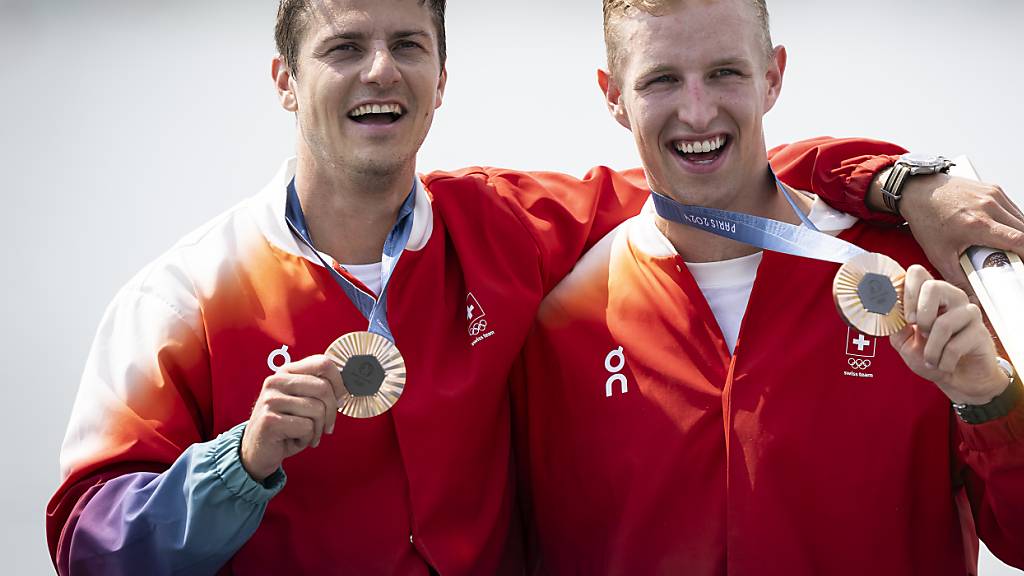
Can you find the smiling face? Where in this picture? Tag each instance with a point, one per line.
(367, 83)
(693, 86)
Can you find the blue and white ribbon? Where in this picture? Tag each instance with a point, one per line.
(806, 241)
(373, 309)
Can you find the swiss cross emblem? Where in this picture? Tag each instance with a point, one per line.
(475, 315)
(859, 344)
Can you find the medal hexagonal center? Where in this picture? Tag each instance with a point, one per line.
(877, 293)
(363, 375)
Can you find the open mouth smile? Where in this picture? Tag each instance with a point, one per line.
(377, 114)
(701, 152)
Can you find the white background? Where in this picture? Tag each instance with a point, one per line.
(126, 124)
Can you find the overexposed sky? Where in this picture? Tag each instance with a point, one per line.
(127, 124)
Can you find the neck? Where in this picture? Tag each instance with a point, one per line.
(349, 216)
(760, 198)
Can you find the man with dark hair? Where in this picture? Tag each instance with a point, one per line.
(293, 17)
(690, 401)
(209, 369)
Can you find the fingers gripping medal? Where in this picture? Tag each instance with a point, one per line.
(868, 292)
(372, 370)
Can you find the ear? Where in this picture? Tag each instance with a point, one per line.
(441, 82)
(285, 84)
(613, 97)
(776, 70)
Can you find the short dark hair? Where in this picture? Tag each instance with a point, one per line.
(293, 17)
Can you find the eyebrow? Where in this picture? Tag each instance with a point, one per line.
(657, 68)
(731, 61)
(363, 36)
(669, 69)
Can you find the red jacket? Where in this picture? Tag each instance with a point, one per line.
(182, 354)
(648, 448)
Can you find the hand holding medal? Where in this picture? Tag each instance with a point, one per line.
(297, 405)
(946, 340)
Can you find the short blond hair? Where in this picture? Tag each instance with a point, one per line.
(615, 10)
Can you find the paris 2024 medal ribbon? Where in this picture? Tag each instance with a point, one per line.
(867, 290)
(372, 369)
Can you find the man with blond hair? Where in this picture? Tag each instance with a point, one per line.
(690, 401)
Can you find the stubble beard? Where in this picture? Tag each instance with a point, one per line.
(374, 170)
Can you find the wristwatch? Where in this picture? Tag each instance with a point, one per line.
(910, 165)
(999, 406)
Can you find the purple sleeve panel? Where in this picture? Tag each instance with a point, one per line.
(189, 519)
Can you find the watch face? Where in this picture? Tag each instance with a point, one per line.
(921, 160)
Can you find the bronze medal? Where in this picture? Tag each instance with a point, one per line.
(868, 292)
(372, 370)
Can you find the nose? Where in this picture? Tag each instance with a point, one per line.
(697, 106)
(382, 71)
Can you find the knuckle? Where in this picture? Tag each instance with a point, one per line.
(278, 381)
(271, 381)
(329, 401)
(316, 417)
(918, 272)
(272, 418)
(974, 223)
(941, 328)
(927, 292)
(273, 402)
(989, 203)
(283, 383)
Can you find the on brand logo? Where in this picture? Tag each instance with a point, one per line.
(614, 362)
(282, 354)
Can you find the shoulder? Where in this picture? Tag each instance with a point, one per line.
(192, 268)
(222, 238)
(588, 285)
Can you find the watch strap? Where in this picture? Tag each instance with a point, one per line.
(892, 188)
(998, 407)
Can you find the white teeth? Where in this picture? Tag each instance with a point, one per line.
(376, 109)
(701, 147)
